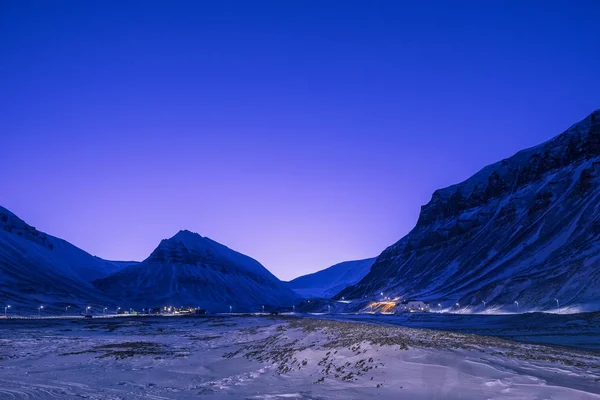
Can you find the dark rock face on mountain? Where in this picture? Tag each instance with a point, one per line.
(525, 229)
(330, 281)
(191, 270)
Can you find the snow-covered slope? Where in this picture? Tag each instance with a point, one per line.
(525, 229)
(191, 270)
(36, 268)
(330, 281)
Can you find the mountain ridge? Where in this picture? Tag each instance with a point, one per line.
(189, 269)
(511, 224)
(330, 281)
(38, 268)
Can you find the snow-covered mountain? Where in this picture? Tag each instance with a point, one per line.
(191, 270)
(330, 281)
(36, 268)
(525, 229)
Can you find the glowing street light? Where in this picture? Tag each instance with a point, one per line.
(230, 309)
(88, 308)
(293, 309)
(40, 308)
(517, 303)
(329, 309)
(483, 301)
(557, 304)
(118, 309)
(6, 308)
(263, 308)
(67, 309)
(104, 310)
(457, 305)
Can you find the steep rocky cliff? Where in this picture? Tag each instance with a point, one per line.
(525, 229)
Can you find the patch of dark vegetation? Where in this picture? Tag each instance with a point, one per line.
(111, 326)
(131, 349)
(205, 338)
(124, 350)
(221, 324)
(233, 353)
(249, 331)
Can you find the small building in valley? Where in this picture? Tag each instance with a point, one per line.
(412, 306)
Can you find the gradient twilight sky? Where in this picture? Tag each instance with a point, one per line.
(301, 133)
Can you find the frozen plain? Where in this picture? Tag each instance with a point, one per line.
(279, 357)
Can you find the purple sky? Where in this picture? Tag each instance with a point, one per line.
(300, 133)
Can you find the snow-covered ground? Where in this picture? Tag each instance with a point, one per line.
(278, 358)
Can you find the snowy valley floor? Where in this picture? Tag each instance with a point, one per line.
(278, 358)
